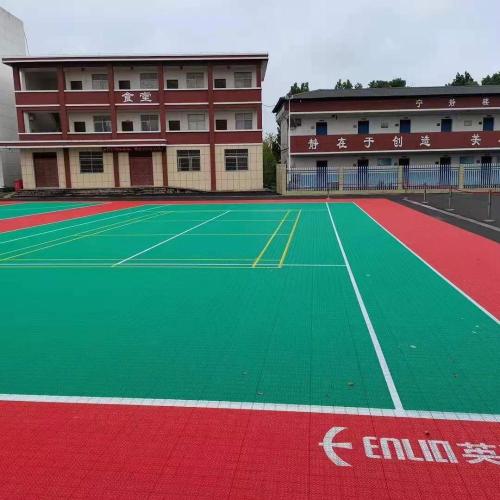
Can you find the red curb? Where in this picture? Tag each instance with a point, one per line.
(468, 260)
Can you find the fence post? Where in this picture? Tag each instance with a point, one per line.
(461, 176)
(400, 177)
(341, 179)
(489, 219)
(450, 199)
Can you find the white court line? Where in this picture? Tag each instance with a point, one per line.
(75, 225)
(369, 325)
(468, 297)
(54, 211)
(236, 405)
(169, 239)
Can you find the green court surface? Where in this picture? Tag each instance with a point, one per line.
(11, 210)
(243, 303)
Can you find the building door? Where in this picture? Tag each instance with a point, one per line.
(321, 128)
(486, 162)
(321, 174)
(45, 166)
(362, 173)
(446, 125)
(444, 171)
(141, 169)
(404, 126)
(488, 123)
(363, 127)
(405, 163)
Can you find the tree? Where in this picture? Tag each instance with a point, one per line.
(462, 79)
(298, 89)
(270, 157)
(379, 84)
(493, 79)
(347, 85)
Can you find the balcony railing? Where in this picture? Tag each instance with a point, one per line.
(390, 179)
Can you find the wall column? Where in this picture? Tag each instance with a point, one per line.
(116, 168)
(111, 98)
(63, 112)
(211, 127)
(67, 168)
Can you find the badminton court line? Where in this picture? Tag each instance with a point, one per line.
(396, 400)
(169, 239)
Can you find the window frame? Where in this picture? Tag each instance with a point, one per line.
(220, 80)
(128, 85)
(151, 117)
(154, 81)
(105, 121)
(79, 122)
(170, 81)
(196, 79)
(204, 129)
(239, 80)
(170, 122)
(96, 162)
(127, 121)
(191, 155)
(244, 120)
(217, 122)
(76, 82)
(105, 81)
(240, 158)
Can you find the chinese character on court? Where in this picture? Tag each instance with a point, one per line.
(480, 452)
(128, 97)
(398, 142)
(368, 142)
(486, 101)
(451, 103)
(342, 143)
(313, 143)
(475, 140)
(425, 140)
(419, 103)
(145, 96)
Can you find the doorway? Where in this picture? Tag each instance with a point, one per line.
(362, 173)
(45, 167)
(141, 168)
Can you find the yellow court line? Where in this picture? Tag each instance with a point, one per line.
(290, 238)
(269, 241)
(80, 237)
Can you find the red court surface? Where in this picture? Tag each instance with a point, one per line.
(79, 450)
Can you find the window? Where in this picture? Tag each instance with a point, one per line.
(466, 160)
(220, 124)
(384, 125)
(405, 126)
(446, 125)
(236, 159)
(148, 80)
(467, 123)
(195, 80)
(488, 123)
(242, 79)
(127, 126)
(79, 126)
(149, 123)
(220, 83)
(196, 121)
(102, 123)
(321, 128)
(100, 81)
(174, 124)
(363, 127)
(76, 85)
(188, 160)
(244, 121)
(384, 162)
(172, 84)
(124, 84)
(91, 162)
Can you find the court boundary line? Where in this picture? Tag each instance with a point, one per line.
(90, 204)
(168, 239)
(391, 386)
(290, 239)
(432, 268)
(270, 240)
(255, 406)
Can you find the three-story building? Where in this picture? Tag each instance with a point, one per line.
(189, 122)
(441, 131)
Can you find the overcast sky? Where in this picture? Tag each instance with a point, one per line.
(424, 41)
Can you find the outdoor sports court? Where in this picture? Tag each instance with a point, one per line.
(315, 349)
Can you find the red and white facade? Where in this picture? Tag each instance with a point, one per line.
(186, 122)
(388, 127)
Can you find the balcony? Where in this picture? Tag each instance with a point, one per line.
(422, 141)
